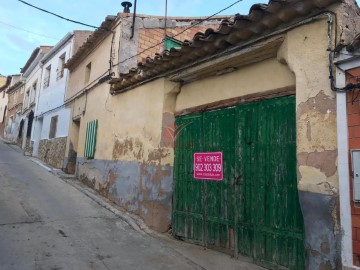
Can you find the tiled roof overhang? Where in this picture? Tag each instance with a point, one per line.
(8, 80)
(99, 34)
(262, 19)
(15, 86)
(30, 60)
(354, 45)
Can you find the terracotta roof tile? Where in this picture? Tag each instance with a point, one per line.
(98, 35)
(8, 81)
(262, 19)
(354, 45)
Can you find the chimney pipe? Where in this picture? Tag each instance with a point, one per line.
(127, 5)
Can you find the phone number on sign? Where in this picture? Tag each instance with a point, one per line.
(208, 166)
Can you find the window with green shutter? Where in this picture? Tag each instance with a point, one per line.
(90, 140)
(171, 42)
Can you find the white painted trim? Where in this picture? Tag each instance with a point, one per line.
(343, 169)
(346, 64)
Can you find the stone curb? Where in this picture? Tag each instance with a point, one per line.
(89, 193)
(7, 141)
(133, 221)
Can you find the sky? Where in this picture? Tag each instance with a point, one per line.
(23, 28)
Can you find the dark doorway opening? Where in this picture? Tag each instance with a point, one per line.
(30, 122)
(21, 128)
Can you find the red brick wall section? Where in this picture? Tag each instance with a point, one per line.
(353, 112)
(151, 37)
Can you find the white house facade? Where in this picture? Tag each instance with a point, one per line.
(51, 123)
(32, 73)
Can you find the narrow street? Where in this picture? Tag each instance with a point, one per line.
(48, 224)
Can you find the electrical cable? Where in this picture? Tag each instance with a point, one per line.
(87, 88)
(27, 31)
(59, 16)
(84, 89)
(181, 32)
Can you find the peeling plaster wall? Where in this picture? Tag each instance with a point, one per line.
(316, 133)
(255, 78)
(316, 142)
(99, 59)
(133, 164)
(304, 57)
(144, 189)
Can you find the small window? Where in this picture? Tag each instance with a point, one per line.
(47, 77)
(87, 72)
(27, 98)
(33, 92)
(90, 139)
(53, 125)
(11, 121)
(4, 94)
(61, 66)
(15, 97)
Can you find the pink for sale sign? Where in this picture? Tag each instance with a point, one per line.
(208, 166)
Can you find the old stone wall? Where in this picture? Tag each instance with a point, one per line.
(28, 148)
(53, 151)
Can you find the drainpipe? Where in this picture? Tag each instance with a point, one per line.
(133, 23)
(343, 170)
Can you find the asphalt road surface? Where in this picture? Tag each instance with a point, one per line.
(48, 224)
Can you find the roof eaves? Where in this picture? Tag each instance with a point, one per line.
(15, 86)
(98, 35)
(262, 19)
(57, 47)
(354, 45)
(8, 81)
(30, 60)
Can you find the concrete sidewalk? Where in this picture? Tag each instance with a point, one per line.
(205, 258)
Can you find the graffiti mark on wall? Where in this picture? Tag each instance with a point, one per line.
(171, 133)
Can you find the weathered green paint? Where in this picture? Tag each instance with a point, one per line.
(90, 139)
(188, 195)
(219, 134)
(171, 43)
(255, 210)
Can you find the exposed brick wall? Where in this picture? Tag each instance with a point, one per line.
(353, 112)
(151, 37)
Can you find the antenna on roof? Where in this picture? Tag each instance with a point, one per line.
(127, 5)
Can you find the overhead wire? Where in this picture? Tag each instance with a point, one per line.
(59, 16)
(145, 50)
(181, 32)
(90, 85)
(27, 31)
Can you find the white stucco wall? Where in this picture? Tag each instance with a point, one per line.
(62, 128)
(34, 76)
(52, 96)
(3, 104)
(50, 100)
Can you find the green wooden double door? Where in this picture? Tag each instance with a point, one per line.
(255, 210)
